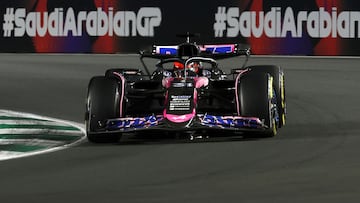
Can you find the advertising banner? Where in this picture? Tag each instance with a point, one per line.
(308, 27)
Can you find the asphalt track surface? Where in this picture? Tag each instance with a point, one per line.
(315, 158)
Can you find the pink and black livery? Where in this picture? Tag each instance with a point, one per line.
(248, 100)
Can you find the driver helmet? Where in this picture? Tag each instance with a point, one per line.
(178, 67)
(194, 66)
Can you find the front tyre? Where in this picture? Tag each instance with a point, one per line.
(103, 102)
(257, 99)
(279, 85)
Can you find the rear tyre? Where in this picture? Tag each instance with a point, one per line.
(256, 95)
(103, 102)
(279, 85)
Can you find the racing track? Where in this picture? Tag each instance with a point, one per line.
(315, 158)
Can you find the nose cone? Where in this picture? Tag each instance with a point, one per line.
(179, 118)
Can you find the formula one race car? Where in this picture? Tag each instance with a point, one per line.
(187, 93)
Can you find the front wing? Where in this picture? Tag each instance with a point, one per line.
(199, 122)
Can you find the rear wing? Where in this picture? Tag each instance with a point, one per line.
(214, 51)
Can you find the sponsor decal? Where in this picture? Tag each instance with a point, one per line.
(141, 122)
(180, 103)
(65, 22)
(218, 49)
(166, 50)
(230, 121)
(284, 22)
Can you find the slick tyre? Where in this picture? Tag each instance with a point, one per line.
(103, 102)
(257, 100)
(279, 85)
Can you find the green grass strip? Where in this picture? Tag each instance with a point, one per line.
(40, 136)
(20, 118)
(20, 147)
(36, 126)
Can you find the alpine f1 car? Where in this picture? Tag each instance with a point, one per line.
(188, 92)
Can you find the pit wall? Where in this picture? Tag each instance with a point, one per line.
(308, 27)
